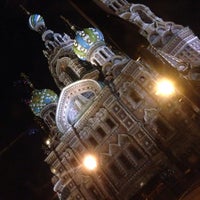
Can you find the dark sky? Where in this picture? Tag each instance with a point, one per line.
(23, 173)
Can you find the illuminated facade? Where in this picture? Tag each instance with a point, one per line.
(168, 37)
(145, 142)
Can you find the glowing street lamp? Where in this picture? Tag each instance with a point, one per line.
(165, 88)
(53, 170)
(90, 162)
(48, 142)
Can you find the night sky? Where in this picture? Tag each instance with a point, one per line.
(23, 173)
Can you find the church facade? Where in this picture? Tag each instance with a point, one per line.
(145, 141)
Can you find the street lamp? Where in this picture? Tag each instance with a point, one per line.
(48, 142)
(90, 162)
(165, 87)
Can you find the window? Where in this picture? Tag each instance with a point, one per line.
(186, 108)
(134, 95)
(95, 62)
(65, 193)
(135, 153)
(95, 194)
(121, 2)
(101, 132)
(144, 17)
(111, 7)
(72, 74)
(107, 51)
(73, 162)
(103, 54)
(92, 141)
(125, 161)
(71, 185)
(52, 115)
(163, 129)
(142, 79)
(110, 123)
(115, 170)
(116, 5)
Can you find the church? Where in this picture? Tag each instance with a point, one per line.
(121, 128)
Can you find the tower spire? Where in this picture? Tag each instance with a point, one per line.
(73, 27)
(27, 80)
(24, 10)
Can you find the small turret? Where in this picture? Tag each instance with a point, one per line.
(52, 40)
(64, 65)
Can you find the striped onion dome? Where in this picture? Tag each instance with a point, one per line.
(36, 21)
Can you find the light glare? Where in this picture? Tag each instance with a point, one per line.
(165, 88)
(90, 162)
(48, 142)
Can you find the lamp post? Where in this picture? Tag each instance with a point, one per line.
(90, 162)
(165, 88)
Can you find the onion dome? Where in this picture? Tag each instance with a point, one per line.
(86, 39)
(36, 23)
(40, 99)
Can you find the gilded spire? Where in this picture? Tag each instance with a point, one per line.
(73, 28)
(24, 10)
